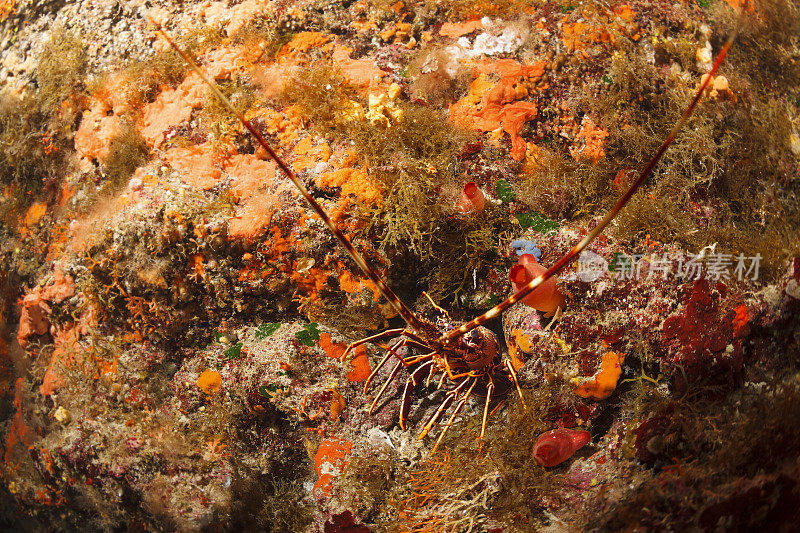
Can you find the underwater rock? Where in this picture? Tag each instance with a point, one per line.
(175, 314)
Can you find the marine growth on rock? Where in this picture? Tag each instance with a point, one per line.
(174, 313)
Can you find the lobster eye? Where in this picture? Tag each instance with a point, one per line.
(472, 338)
(482, 339)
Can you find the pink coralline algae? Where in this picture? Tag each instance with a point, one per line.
(556, 446)
(703, 340)
(344, 523)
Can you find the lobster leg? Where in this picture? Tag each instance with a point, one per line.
(498, 407)
(408, 361)
(450, 374)
(411, 382)
(389, 353)
(430, 376)
(489, 390)
(417, 345)
(513, 373)
(395, 346)
(442, 408)
(458, 408)
(419, 358)
(375, 371)
(395, 370)
(382, 335)
(443, 312)
(444, 405)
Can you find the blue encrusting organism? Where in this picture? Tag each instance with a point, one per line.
(524, 246)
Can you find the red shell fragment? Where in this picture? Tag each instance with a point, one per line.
(556, 446)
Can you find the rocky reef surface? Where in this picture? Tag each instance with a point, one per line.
(174, 315)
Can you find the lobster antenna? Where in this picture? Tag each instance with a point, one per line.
(572, 254)
(390, 296)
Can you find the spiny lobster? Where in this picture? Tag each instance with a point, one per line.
(467, 356)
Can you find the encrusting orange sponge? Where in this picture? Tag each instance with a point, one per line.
(602, 384)
(330, 460)
(547, 297)
(210, 382)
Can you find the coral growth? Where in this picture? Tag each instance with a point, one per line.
(330, 460)
(491, 107)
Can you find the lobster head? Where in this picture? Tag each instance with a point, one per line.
(480, 348)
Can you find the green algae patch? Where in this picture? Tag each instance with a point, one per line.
(309, 335)
(266, 330)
